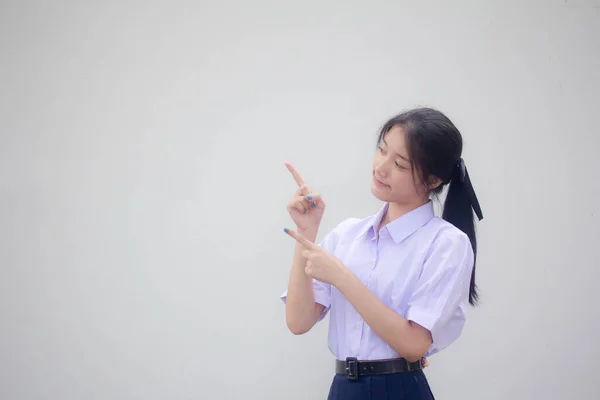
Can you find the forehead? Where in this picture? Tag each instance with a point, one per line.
(395, 139)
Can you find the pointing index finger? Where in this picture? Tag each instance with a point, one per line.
(300, 239)
(295, 174)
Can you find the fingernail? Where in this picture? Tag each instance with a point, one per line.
(286, 230)
(313, 205)
(309, 197)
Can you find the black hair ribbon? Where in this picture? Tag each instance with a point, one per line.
(464, 178)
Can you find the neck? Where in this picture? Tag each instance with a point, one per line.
(396, 210)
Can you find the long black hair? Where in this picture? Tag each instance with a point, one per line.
(435, 149)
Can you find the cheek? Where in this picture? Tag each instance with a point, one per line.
(398, 185)
(402, 182)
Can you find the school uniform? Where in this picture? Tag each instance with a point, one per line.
(420, 266)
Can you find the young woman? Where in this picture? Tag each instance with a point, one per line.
(398, 283)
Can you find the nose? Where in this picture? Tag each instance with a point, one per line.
(381, 170)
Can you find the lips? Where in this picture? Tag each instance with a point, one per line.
(379, 183)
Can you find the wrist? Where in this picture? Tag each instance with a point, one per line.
(309, 233)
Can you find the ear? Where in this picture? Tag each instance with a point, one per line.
(434, 182)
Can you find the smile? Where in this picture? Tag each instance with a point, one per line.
(380, 184)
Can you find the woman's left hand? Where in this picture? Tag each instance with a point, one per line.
(320, 264)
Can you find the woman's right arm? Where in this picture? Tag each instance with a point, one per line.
(306, 210)
(301, 310)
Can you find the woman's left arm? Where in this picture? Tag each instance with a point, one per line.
(434, 315)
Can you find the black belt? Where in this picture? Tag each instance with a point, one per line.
(354, 368)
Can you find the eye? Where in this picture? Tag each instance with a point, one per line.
(381, 150)
(399, 166)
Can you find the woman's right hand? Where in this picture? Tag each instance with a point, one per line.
(305, 207)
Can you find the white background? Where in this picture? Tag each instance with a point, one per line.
(143, 189)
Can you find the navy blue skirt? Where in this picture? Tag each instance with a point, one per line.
(406, 385)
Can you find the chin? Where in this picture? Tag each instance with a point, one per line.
(377, 192)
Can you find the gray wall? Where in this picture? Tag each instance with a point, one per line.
(143, 189)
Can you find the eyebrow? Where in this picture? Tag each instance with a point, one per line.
(399, 155)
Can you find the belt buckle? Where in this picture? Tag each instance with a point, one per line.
(410, 368)
(352, 368)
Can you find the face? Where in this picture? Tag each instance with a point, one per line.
(393, 178)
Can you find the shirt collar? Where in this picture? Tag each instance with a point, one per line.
(404, 226)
